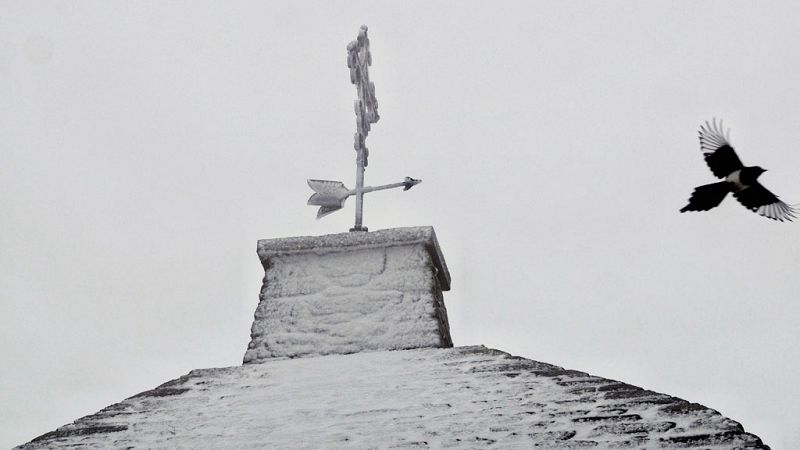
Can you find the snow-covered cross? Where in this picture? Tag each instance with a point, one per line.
(331, 195)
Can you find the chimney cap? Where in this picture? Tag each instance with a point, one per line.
(267, 248)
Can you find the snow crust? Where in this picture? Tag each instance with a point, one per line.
(267, 248)
(348, 293)
(463, 397)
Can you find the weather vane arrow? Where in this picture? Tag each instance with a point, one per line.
(331, 195)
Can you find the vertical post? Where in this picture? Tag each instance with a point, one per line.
(358, 60)
(359, 192)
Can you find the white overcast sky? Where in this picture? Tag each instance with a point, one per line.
(146, 146)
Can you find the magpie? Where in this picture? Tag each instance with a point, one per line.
(740, 180)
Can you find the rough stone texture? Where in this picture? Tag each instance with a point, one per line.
(268, 248)
(462, 397)
(350, 292)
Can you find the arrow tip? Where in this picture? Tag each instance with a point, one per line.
(411, 182)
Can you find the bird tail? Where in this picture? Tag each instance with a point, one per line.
(707, 196)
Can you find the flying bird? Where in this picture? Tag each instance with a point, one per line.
(740, 180)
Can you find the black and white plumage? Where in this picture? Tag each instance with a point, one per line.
(742, 181)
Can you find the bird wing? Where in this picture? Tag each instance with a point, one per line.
(706, 197)
(758, 199)
(717, 150)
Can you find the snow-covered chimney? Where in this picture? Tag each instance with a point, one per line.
(350, 292)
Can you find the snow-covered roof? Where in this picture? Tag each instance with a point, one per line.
(462, 397)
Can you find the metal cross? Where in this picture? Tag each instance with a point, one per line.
(331, 195)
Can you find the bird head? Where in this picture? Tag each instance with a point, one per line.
(759, 170)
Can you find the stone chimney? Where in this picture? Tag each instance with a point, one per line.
(350, 292)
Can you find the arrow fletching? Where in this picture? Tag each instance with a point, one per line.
(325, 210)
(328, 195)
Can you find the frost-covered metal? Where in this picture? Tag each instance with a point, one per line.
(331, 195)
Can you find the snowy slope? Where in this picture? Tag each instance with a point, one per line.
(462, 397)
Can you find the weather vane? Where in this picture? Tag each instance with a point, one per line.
(331, 195)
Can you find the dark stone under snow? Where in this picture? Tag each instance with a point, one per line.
(463, 397)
